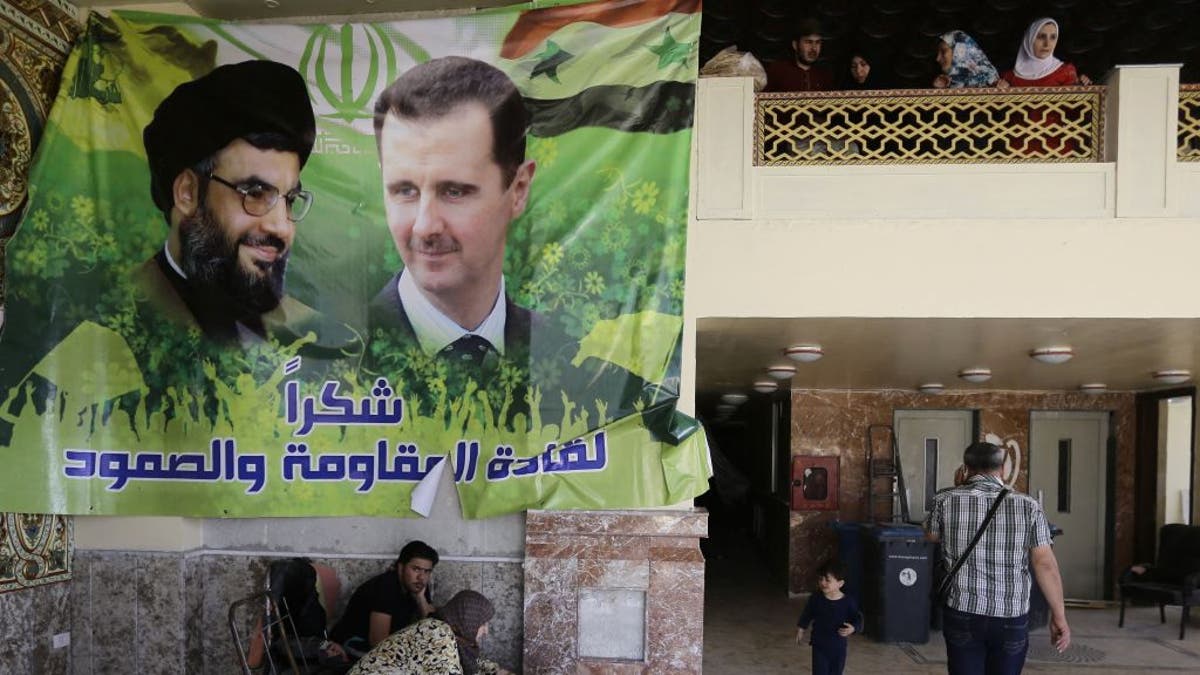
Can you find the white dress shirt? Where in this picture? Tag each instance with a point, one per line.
(435, 331)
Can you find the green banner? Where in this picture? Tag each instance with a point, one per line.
(205, 320)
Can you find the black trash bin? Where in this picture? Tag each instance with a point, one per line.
(897, 571)
(1039, 609)
(849, 537)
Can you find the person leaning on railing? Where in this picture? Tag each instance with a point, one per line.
(1036, 66)
(963, 63)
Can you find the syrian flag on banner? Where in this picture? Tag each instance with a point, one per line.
(628, 66)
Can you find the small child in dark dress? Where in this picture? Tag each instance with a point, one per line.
(834, 616)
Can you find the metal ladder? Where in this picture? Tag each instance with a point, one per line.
(885, 466)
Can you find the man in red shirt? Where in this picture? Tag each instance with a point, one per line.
(801, 72)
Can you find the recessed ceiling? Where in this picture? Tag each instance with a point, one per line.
(882, 353)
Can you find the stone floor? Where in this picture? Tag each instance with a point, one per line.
(749, 627)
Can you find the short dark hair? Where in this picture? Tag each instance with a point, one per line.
(808, 26)
(832, 568)
(416, 549)
(983, 456)
(434, 88)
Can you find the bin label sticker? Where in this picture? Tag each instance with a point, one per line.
(908, 576)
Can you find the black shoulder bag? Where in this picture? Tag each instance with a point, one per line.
(945, 585)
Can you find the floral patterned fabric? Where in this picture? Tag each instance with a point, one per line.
(425, 648)
(969, 66)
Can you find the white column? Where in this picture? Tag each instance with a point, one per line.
(724, 132)
(1143, 110)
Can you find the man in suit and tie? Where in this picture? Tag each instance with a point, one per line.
(451, 136)
(451, 139)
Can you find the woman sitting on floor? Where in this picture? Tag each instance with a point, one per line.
(963, 63)
(446, 643)
(1036, 64)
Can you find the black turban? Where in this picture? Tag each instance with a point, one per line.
(203, 116)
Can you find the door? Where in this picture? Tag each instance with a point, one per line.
(931, 448)
(1068, 463)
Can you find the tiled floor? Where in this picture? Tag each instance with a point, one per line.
(749, 628)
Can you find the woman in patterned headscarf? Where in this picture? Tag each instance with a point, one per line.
(963, 63)
(447, 643)
(1036, 64)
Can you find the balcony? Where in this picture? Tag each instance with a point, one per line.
(1127, 149)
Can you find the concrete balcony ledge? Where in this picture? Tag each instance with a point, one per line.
(1138, 174)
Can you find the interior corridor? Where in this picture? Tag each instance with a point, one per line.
(749, 627)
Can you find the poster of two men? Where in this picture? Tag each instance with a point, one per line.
(297, 269)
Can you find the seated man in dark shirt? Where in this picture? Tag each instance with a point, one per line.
(386, 603)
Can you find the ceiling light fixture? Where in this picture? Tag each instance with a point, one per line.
(805, 353)
(726, 408)
(1053, 355)
(1093, 388)
(734, 398)
(764, 386)
(931, 388)
(975, 375)
(781, 372)
(1173, 376)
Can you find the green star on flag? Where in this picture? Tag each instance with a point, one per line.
(549, 59)
(671, 51)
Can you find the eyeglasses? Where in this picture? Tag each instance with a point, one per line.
(259, 198)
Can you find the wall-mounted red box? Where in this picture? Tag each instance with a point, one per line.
(814, 483)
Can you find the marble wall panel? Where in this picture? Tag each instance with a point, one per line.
(551, 623)
(452, 576)
(114, 616)
(594, 573)
(655, 551)
(835, 423)
(81, 615)
(504, 585)
(675, 616)
(159, 614)
(646, 523)
(193, 615)
(225, 579)
(813, 542)
(29, 619)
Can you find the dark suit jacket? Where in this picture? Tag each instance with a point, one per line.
(532, 342)
(386, 311)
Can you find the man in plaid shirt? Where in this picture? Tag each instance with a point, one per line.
(986, 618)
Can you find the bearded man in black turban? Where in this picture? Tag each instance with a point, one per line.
(225, 153)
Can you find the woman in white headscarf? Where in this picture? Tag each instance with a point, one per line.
(1036, 64)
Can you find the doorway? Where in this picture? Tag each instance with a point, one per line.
(1068, 475)
(931, 444)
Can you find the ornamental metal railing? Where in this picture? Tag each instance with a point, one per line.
(1189, 123)
(922, 126)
